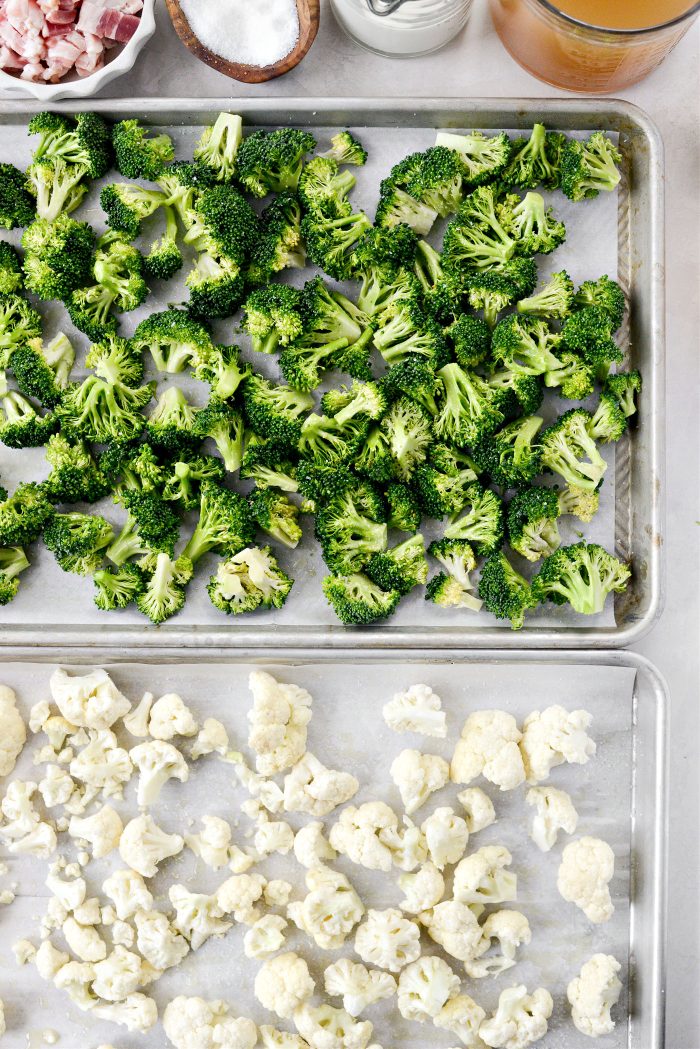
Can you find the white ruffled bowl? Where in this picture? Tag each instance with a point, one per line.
(119, 60)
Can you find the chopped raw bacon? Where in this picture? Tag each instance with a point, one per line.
(116, 26)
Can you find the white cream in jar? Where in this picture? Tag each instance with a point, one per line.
(415, 27)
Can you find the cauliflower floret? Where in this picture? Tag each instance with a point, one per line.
(357, 834)
(357, 985)
(453, 925)
(157, 762)
(49, 960)
(160, 944)
(408, 846)
(315, 790)
(553, 736)
(277, 893)
(510, 928)
(214, 842)
(520, 1019)
(70, 893)
(283, 983)
(311, 848)
(137, 1012)
(489, 747)
(422, 889)
(463, 1017)
(482, 877)
(119, 975)
(38, 714)
(128, 892)
(103, 830)
(102, 764)
(13, 733)
(24, 831)
(170, 717)
(84, 941)
(424, 988)
(136, 723)
(212, 738)
(75, 978)
(56, 787)
(446, 836)
(143, 845)
(418, 709)
(274, 1039)
(239, 894)
(478, 808)
(328, 1028)
(265, 937)
(555, 811)
(24, 951)
(197, 916)
(273, 836)
(278, 721)
(122, 934)
(88, 700)
(417, 776)
(88, 913)
(330, 910)
(388, 939)
(593, 993)
(268, 793)
(587, 865)
(193, 1023)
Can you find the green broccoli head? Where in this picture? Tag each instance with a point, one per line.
(275, 411)
(589, 167)
(482, 524)
(608, 422)
(222, 368)
(580, 502)
(532, 522)
(471, 340)
(605, 293)
(588, 332)
(216, 287)
(404, 507)
(483, 158)
(58, 256)
(272, 316)
(492, 290)
(164, 258)
(409, 434)
(276, 514)
(414, 377)
(132, 469)
(400, 567)
(323, 188)
(446, 591)
(126, 206)
(582, 575)
(268, 464)
(453, 588)
(102, 411)
(151, 527)
(59, 188)
(525, 345)
(568, 449)
(13, 561)
(247, 580)
(138, 152)
(183, 479)
(331, 242)
(84, 140)
(442, 493)
(43, 371)
(511, 456)
(78, 541)
(75, 477)
(319, 483)
(536, 161)
(117, 360)
(374, 458)
(218, 146)
(21, 425)
(515, 394)
(504, 592)
(553, 300)
(351, 527)
(357, 601)
(17, 206)
(174, 339)
(171, 425)
(624, 386)
(346, 149)
(225, 523)
(534, 226)
(24, 515)
(467, 412)
(117, 588)
(279, 245)
(383, 251)
(11, 279)
(163, 594)
(224, 425)
(271, 161)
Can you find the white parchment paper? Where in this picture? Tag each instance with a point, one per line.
(347, 732)
(590, 250)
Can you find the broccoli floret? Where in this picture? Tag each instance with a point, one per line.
(477, 236)
(78, 541)
(386, 290)
(436, 179)
(580, 502)
(222, 368)
(404, 507)
(525, 345)
(324, 188)
(467, 413)
(608, 422)
(568, 450)
(397, 207)
(351, 527)
(511, 457)
(427, 266)
(17, 206)
(84, 140)
(13, 561)
(218, 146)
(400, 567)
(58, 256)
(346, 149)
(445, 591)
(223, 225)
(582, 575)
(449, 460)
(532, 522)
(224, 425)
(515, 394)
(119, 284)
(23, 515)
(131, 470)
(574, 378)
(483, 158)
(471, 340)
(19, 323)
(273, 316)
(276, 514)
(325, 441)
(275, 411)
(453, 588)
(320, 483)
(103, 411)
(623, 386)
(302, 365)
(382, 251)
(374, 457)
(164, 591)
(536, 160)
(270, 161)
(504, 592)
(116, 360)
(174, 340)
(588, 333)
(268, 465)
(75, 476)
(216, 288)
(43, 371)
(357, 601)
(589, 167)
(247, 580)
(328, 316)
(605, 293)
(534, 226)
(11, 279)
(126, 206)
(367, 399)
(225, 523)
(409, 434)
(172, 423)
(410, 331)
(58, 188)
(138, 152)
(493, 290)
(482, 524)
(413, 376)
(331, 242)
(151, 527)
(554, 299)
(182, 183)
(21, 425)
(164, 259)
(442, 493)
(117, 589)
(183, 478)
(279, 245)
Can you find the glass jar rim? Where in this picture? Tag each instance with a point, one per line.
(553, 9)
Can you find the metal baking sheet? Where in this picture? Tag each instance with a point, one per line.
(631, 505)
(620, 796)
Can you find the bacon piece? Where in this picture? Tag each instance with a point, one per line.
(117, 26)
(10, 60)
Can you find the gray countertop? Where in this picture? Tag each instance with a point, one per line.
(475, 64)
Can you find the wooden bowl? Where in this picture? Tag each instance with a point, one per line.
(309, 16)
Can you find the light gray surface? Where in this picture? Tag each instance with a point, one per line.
(475, 65)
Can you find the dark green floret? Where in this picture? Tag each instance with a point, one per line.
(409, 434)
(382, 251)
(117, 589)
(78, 541)
(569, 450)
(216, 287)
(126, 206)
(11, 279)
(182, 479)
(279, 245)
(589, 167)
(174, 340)
(132, 469)
(58, 256)
(276, 514)
(182, 183)
(350, 528)
(225, 523)
(13, 561)
(588, 332)
(223, 225)
(582, 575)
(525, 345)
(151, 527)
(272, 316)
(75, 477)
(319, 483)
(164, 591)
(415, 378)
(164, 258)
(103, 411)
(274, 411)
(554, 299)
(84, 140)
(17, 206)
(331, 242)
(224, 425)
(400, 567)
(119, 285)
(58, 188)
(271, 161)
(483, 157)
(24, 515)
(324, 188)
(138, 152)
(511, 456)
(536, 160)
(374, 458)
(408, 330)
(515, 394)
(21, 425)
(248, 580)
(482, 524)
(608, 422)
(624, 386)
(471, 340)
(532, 522)
(43, 371)
(404, 507)
(346, 149)
(450, 460)
(19, 323)
(172, 423)
(493, 290)
(357, 601)
(504, 591)
(268, 464)
(467, 412)
(434, 178)
(572, 376)
(605, 293)
(218, 145)
(442, 493)
(325, 441)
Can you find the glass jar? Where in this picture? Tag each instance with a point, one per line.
(404, 29)
(566, 52)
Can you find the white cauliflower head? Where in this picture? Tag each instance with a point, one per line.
(331, 909)
(593, 993)
(446, 836)
(239, 894)
(359, 831)
(283, 983)
(357, 985)
(159, 943)
(119, 975)
(137, 1012)
(56, 787)
(13, 733)
(48, 960)
(273, 836)
(170, 716)
(71, 892)
(197, 916)
(311, 847)
(213, 843)
(422, 889)
(277, 892)
(211, 738)
(193, 1023)
(143, 845)
(489, 748)
(461, 1016)
(84, 941)
(103, 830)
(128, 892)
(553, 736)
(418, 709)
(407, 845)
(23, 831)
(103, 764)
(587, 866)
(417, 776)
(88, 700)
(328, 1028)
(424, 987)
(274, 1039)
(555, 812)
(157, 762)
(479, 812)
(75, 978)
(453, 925)
(510, 929)
(278, 721)
(520, 1020)
(388, 939)
(265, 937)
(313, 789)
(483, 878)
(136, 723)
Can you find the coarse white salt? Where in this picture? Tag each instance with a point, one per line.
(252, 32)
